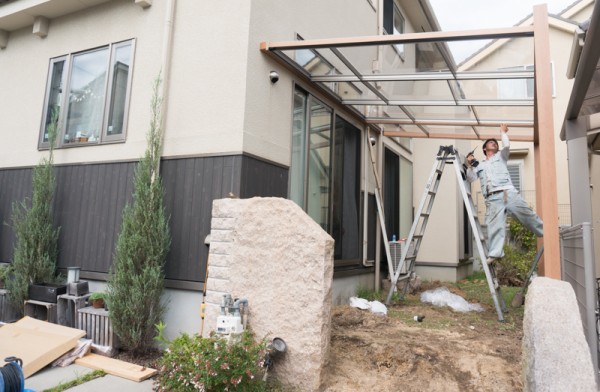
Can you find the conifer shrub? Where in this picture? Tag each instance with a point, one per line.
(36, 239)
(136, 280)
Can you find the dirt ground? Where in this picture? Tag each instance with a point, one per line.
(447, 351)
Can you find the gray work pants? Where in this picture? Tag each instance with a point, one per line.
(497, 206)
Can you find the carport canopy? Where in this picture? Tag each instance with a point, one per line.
(409, 85)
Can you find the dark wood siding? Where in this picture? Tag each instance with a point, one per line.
(261, 178)
(15, 185)
(88, 207)
(89, 203)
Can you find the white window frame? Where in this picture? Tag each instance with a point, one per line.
(63, 104)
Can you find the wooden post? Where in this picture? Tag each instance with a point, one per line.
(545, 160)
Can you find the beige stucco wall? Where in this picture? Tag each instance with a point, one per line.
(219, 96)
(24, 65)
(442, 242)
(268, 110)
(595, 195)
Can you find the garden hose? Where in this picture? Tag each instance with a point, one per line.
(11, 376)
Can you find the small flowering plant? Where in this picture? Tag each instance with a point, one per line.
(193, 363)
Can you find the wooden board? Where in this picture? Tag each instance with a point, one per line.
(36, 342)
(127, 370)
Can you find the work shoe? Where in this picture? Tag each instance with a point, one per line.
(496, 284)
(491, 260)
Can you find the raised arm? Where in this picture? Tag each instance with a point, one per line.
(505, 152)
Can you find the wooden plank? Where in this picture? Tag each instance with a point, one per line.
(36, 342)
(116, 367)
(430, 36)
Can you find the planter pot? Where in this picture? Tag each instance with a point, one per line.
(46, 292)
(98, 303)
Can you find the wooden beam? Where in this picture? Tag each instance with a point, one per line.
(545, 159)
(432, 36)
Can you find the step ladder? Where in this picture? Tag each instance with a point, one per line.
(446, 154)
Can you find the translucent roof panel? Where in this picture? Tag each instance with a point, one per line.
(411, 83)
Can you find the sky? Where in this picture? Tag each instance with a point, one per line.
(456, 15)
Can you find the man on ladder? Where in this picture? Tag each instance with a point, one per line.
(500, 195)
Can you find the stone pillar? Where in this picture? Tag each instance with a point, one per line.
(270, 252)
(556, 356)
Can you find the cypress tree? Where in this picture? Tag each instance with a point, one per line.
(36, 239)
(136, 281)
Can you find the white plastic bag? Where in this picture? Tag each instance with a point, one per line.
(378, 308)
(443, 297)
(374, 306)
(360, 303)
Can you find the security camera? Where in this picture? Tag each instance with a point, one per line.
(372, 140)
(274, 76)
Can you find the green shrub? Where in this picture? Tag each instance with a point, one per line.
(36, 238)
(136, 281)
(519, 253)
(213, 364)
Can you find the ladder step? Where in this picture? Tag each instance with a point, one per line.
(425, 214)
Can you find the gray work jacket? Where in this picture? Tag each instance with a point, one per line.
(493, 173)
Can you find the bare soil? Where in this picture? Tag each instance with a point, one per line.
(447, 351)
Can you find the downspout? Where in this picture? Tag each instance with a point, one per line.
(365, 262)
(377, 69)
(165, 68)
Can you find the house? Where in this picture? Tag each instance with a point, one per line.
(228, 126)
(295, 120)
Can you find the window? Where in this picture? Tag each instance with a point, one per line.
(519, 88)
(325, 173)
(90, 92)
(514, 169)
(394, 22)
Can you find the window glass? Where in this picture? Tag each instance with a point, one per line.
(346, 191)
(298, 168)
(90, 92)
(118, 91)
(325, 174)
(398, 28)
(516, 88)
(86, 97)
(54, 95)
(319, 154)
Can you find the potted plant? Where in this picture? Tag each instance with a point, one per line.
(97, 299)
